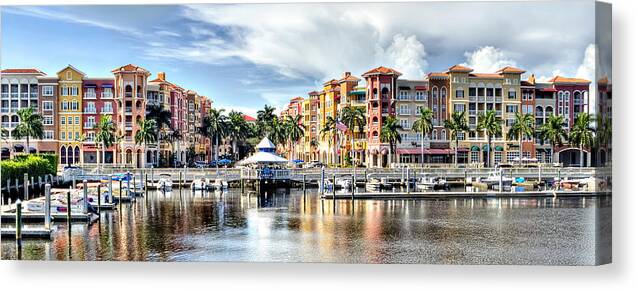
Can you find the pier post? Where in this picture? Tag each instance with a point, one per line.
(74, 183)
(26, 186)
(134, 186)
(303, 184)
(120, 191)
(32, 186)
(407, 182)
(68, 209)
(501, 177)
(539, 175)
(99, 200)
(354, 183)
(179, 182)
(152, 174)
(353, 186)
(322, 182)
(84, 197)
(110, 188)
(146, 185)
(18, 222)
(559, 179)
(464, 182)
(128, 184)
(47, 206)
(334, 191)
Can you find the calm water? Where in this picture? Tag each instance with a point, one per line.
(288, 228)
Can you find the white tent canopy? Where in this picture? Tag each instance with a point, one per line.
(264, 155)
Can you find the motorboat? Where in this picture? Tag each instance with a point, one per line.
(328, 185)
(165, 182)
(495, 177)
(344, 183)
(428, 182)
(586, 184)
(376, 184)
(220, 185)
(200, 183)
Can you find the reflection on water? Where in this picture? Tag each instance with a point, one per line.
(291, 227)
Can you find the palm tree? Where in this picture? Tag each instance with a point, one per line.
(354, 118)
(582, 134)
(30, 126)
(553, 131)
(456, 124)
(314, 144)
(277, 131)
(264, 119)
(215, 127)
(105, 134)
(603, 134)
(329, 131)
(424, 125)
(237, 130)
(162, 118)
(146, 132)
(522, 127)
(491, 124)
(295, 131)
(390, 133)
(175, 136)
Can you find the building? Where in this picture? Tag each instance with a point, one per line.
(310, 123)
(329, 142)
(413, 95)
(70, 113)
(19, 90)
(98, 102)
(381, 97)
(48, 95)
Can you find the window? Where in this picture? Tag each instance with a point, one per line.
(74, 91)
(434, 134)
(47, 120)
(443, 92)
(77, 135)
(511, 155)
(472, 91)
(403, 95)
(512, 108)
(62, 135)
(420, 95)
(405, 124)
(497, 157)
(107, 108)
(47, 90)
(48, 134)
(459, 93)
(404, 109)
(62, 120)
(512, 94)
(77, 120)
(475, 157)
(74, 106)
(90, 136)
(498, 92)
(458, 108)
(69, 75)
(65, 91)
(47, 105)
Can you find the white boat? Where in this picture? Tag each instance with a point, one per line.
(220, 185)
(344, 183)
(376, 184)
(428, 182)
(494, 179)
(200, 183)
(165, 182)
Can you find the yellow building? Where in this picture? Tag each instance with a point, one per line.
(70, 115)
(328, 104)
(348, 85)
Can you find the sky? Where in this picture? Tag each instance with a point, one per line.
(244, 56)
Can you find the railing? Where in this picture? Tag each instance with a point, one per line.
(6, 124)
(481, 98)
(128, 110)
(89, 125)
(4, 109)
(404, 112)
(498, 99)
(90, 110)
(34, 94)
(5, 95)
(24, 95)
(14, 94)
(472, 98)
(107, 95)
(472, 112)
(90, 95)
(129, 124)
(128, 94)
(498, 112)
(489, 99)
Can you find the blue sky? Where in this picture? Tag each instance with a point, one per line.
(246, 55)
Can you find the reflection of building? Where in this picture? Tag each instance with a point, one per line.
(19, 90)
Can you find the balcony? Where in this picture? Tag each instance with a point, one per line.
(498, 112)
(24, 95)
(403, 112)
(498, 99)
(472, 112)
(34, 94)
(107, 110)
(489, 99)
(128, 94)
(6, 124)
(472, 98)
(90, 95)
(89, 125)
(4, 109)
(107, 95)
(128, 110)
(481, 98)
(90, 110)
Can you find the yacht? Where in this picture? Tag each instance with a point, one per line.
(428, 182)
(376, 184)
(165, 182)
(344, 183)
(494, 178)
(220, 185)
(200, 183)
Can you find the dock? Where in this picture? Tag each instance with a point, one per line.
(42, 233)
(55, 217)
(460, 194)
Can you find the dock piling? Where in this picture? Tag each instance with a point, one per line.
(334, 191)
(47, 206)
(110, 189)
(322, 182)
(407, 181)
(99, 199)
(84, 197)
(26, 188)
(18, 222)
(68, 210)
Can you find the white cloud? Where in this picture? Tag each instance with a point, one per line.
(406, 54)
(488, 59)
(586, 69)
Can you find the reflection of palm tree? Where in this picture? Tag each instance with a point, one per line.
(456, 124)
(522, 127)
(582, 134)
(390, 134)
(492, 126)
(423, 125)
(30, 126)
(105, 136)
(553, 131)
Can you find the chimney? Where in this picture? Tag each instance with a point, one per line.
(161, 76)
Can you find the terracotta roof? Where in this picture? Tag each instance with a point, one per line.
(459, 69)
(330, 82)
(22, 71)
(348, 77)
(299, 98)
(249, 118)
(560, 79)
(130, 67)
(312, 93)
(437, 75)
(382, 71)
(511, 70)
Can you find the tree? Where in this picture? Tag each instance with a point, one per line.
(162, 118)
(264, 120)
(146, 132)
(456, 124)
(237, 130)
(295, 130)
(603, 134)
(104, 134)
(553, 131)
(277, 131)
(329, 131)
(423, 125)
(491, 124)
(390, 134)
(30, 126)
(522, 127)
(353, 118)
(582, 134)
(314, 144)
(175, 136)
(215, 126)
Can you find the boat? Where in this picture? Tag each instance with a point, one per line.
(428, 182)
(493, 180)
(165, 182)
(344, 183)
(200, 183)
(327, 185)
(220, 185)
(376, 184)
(592, 184)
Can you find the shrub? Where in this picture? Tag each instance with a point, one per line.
(34, 165)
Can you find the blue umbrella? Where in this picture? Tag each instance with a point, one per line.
(225, 161)
(298, 161)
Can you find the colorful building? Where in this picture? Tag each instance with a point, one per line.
(70, 112)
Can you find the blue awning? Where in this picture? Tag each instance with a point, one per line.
(90, 85)
(107, 85)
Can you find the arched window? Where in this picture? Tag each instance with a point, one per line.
(539, 111)
(63, 155)
(128, 91)
(77, 153)
(385, 93)
(443, 134)
(69, 155)
(375, 93)
(434, 94)
(375, 119)
(549, 110)
(443, 93)
(434, 134)
(375, 134)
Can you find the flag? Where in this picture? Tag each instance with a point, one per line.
(340, 126)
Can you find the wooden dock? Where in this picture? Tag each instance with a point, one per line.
(443, 195)
(9, 233)
(55, 217)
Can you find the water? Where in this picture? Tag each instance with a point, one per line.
(288, 228)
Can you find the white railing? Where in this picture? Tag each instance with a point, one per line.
(89, 95)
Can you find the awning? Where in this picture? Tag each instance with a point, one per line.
(107, 85)
(32, 150)
(18, 148)
(90, 85)
(417, 151)
(475, 148)
(548, 90)
(499, 148)
(5, 150)
(404, 88)
(421, 87)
